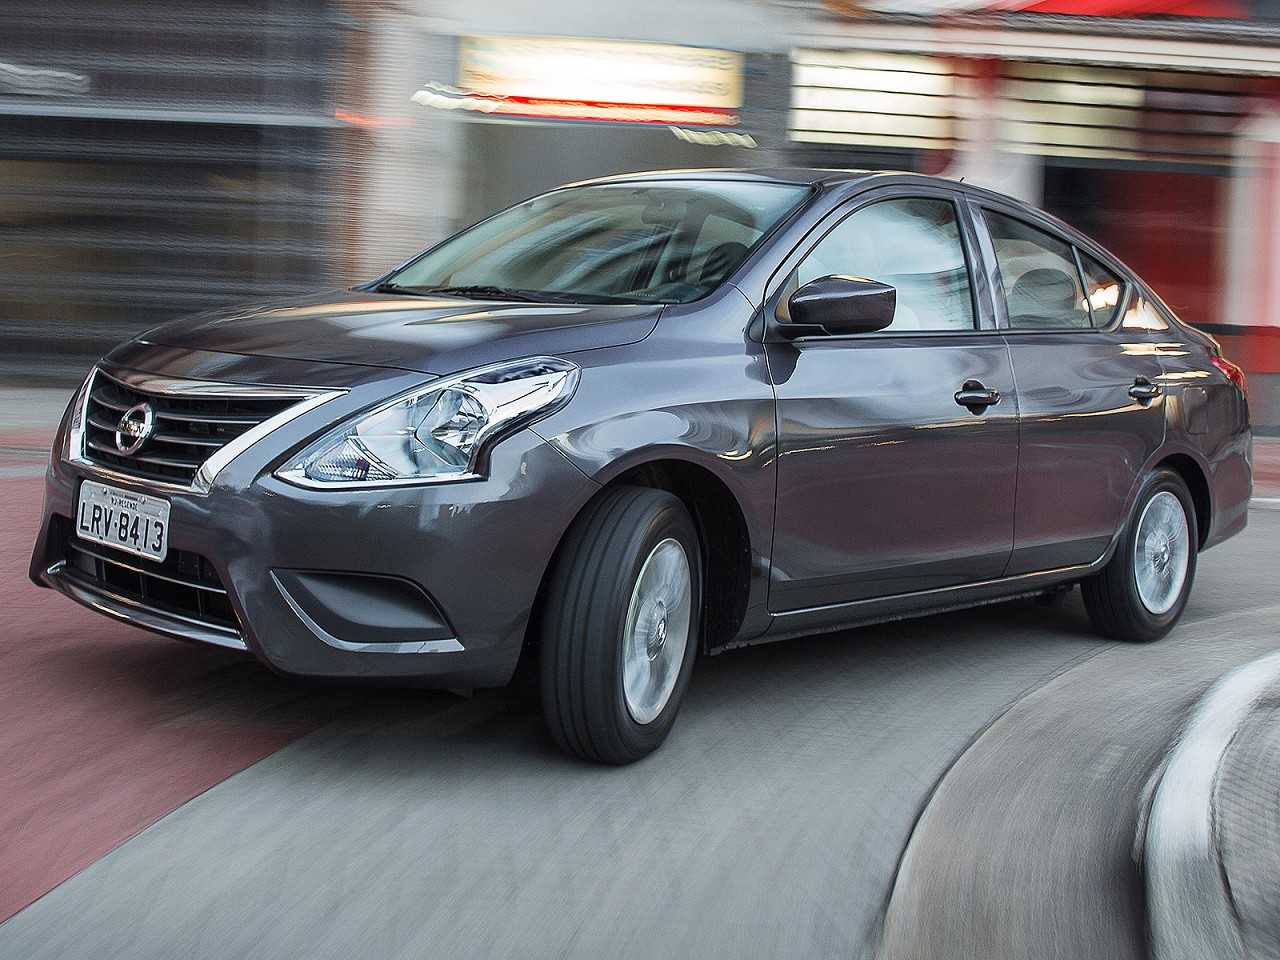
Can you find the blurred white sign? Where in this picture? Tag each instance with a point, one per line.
(583, 79)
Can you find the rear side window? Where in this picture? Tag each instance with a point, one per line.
(1041, 283)
(912, 243)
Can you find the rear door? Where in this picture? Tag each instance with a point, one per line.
(887, 482)
(1089, 394)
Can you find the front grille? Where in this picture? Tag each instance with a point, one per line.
(185, 586)
(189, 427)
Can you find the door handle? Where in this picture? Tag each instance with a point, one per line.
(976, 396)
(1143, 389)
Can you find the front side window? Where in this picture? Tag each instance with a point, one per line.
(913, 244)
(1041, 283)
(652, 242)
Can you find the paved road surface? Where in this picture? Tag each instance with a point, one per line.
(772, 823)
(405, 824)
(1026, 847)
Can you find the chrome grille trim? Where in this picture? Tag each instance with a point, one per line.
(124, 608)
(81, 548)
(221, 450)
(183, 464)
(182, 595)
(188, 441)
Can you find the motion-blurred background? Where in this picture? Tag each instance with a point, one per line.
(159, 157)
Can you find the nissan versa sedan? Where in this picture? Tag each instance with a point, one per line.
(639, 419)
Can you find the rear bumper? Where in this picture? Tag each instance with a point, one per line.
(433, 583)
(1231, 488)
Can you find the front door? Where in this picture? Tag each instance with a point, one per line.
(896, 472)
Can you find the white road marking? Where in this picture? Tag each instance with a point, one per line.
(1190, 908)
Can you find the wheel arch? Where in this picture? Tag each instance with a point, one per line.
(1190, 465)
(1194, 475)
(729, 554)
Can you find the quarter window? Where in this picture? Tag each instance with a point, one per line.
(1142, 315)
(1103, 290)
(1041, 282)
(911, 243)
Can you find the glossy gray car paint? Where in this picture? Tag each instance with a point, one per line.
(430, 335)
(858, 416)
(884, 527)
(858, 422)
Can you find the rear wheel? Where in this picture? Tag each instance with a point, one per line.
(1142, 591)
(621, 625)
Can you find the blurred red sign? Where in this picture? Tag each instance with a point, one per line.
(1226, 9)
(1126, 8)
(587, 79)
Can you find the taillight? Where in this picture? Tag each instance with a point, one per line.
(1231, 371)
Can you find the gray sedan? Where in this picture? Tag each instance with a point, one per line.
(640, 419)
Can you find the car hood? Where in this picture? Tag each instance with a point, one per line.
(437, 335)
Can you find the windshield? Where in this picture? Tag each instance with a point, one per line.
(668, 242)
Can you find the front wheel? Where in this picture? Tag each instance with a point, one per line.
(1141, 592)
(621, 625)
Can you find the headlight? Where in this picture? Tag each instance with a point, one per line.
(438, 432)
(73, 441)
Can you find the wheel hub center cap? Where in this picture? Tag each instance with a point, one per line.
(658, 639)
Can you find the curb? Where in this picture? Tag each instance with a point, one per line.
(1189, 904)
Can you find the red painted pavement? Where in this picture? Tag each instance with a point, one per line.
(104, 729)
(35, 441)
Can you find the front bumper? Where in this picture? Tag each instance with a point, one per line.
(431, 583)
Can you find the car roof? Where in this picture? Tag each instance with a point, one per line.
(792, 175)
(827, 177)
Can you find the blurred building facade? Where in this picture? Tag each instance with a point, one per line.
(158, 157)
(161, 157)
(1150, 124)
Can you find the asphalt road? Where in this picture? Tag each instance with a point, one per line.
(771, 824)
(1027, 846)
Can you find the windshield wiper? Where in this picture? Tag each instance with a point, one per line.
(489, 292)
(486, 292)
(479, 291)
(389, 286)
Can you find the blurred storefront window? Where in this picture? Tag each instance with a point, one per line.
(542, 110)
(156, 159)
(1143, 122)
(162, 156)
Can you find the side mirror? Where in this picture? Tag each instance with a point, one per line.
(840, 305)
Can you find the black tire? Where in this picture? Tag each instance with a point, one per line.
(1112, 598)
(583, 623)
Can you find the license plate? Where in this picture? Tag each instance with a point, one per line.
(134, 522)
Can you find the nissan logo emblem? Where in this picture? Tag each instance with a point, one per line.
(135, 428)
